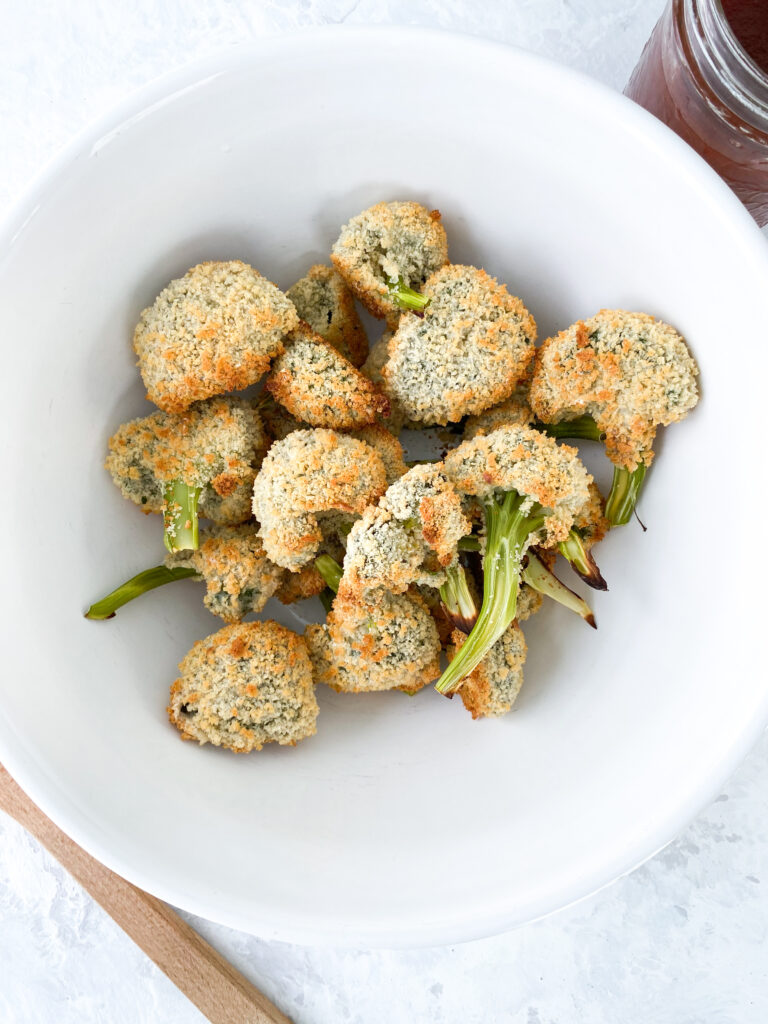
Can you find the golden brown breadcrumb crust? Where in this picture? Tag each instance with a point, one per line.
(383, 642)
(216, 444)
(388, 447)
(465, 354)
(245, 686)
(240, 578)
(298, 586)
(491, 689)
(323, 300)
(212, 331)
(515, 458)
(311, 471)
(387, 242)
(630, 372)
(318, 385)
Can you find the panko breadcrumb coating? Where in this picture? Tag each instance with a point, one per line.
(217, 445)
(239, 576)
(278, 422)
(529, 601)
(311, 471)
(372, 368)
(491, 689)
(628, 371)
(467, 353)
(513, 411)
(299, 586)
(410, 537)
(388, 447)
(390, 242)
(323, 300)
(590, 523)
(523, 460)
(387, 641)
(315, 382)
(245, 686)
(212, 331)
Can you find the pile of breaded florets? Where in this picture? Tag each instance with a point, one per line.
(425, 571)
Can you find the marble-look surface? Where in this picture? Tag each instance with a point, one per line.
(680, 941)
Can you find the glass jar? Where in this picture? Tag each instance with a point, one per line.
(696, 76)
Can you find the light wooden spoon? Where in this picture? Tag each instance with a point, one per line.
(205, 977)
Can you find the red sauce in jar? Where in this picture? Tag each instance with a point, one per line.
(695, 76)
(749, 21)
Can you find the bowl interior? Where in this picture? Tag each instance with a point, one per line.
(402, 821)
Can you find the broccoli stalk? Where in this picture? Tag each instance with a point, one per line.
(625, 491)
(582, 562)
(135, 587)
(405, 297)
(180, 527)
(509, 522)
(330, 570)
(540, 578)
(457, 599)
(583, 428)
(626, 485)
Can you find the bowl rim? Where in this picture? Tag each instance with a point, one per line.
(21, 762)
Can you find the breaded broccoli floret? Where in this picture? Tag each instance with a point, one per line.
(245, 686)
(529, 601)
(316, 383)
(231, 560)
(530, 489)
(178, 463)
(311, 471)
(513, 411)
(631, 374)
(323, 300)
(466, 354)
(372, 368)
(278, 422)
(212, 331)
(387, 252)
(386, 641)
(491, 688)
(299, 586)
(240, 578)
(388, 447)
(409, 537)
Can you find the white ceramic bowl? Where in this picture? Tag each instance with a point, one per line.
(402, 821)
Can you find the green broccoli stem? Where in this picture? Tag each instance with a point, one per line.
(330, 570)
(581, 560)
(470, 543)
(326, 599)
(135, 587)
(180, 526)
(583, 428)
(405, 297)
(508, 529)
(543, 580)
(457, 599)
(625, 490)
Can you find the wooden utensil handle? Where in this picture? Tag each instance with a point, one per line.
(205, 977)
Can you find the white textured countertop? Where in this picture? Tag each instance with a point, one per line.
(680, 941)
